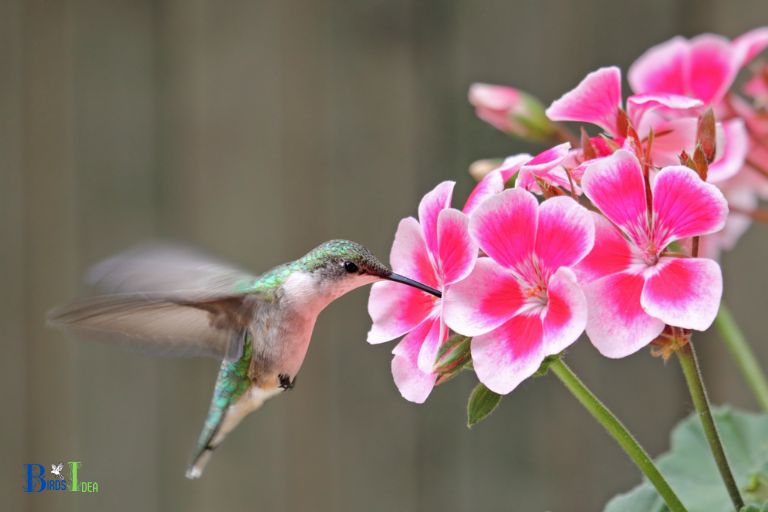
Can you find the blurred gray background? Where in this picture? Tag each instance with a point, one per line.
(257, 129)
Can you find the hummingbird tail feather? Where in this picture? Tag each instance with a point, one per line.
(195, 470)
(221, 421)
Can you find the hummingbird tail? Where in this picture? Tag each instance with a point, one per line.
(195, 470)
(221, 421)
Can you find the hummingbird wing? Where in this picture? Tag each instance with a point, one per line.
(164, 300)
(165, 267)
(161, 325)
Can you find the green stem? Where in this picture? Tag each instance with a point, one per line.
(687, 357)
(618, 431)
(742, 353)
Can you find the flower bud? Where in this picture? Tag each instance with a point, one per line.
(511, 111)
(480, 168)
(452, 357)
(706, 135)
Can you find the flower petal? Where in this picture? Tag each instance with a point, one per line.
(595, 100)
(541, 165)
(712, 67)
(490, 296)
(508, 355)
(661, 69)
(437, 335)
(610, 254)
(414, 385)
(457, 251)
(409, 255)
(565, 235)
(505, 226)
(731, 153)
(490, 185)
(672, 138)
(751, 43)
(685, 206)
(615, 185)
(396, 309)
(640, 104)
(566, 316)
(435, 201)
(511, 165)
(684, 292)
(617, 325)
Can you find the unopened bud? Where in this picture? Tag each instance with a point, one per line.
(511, 111)
(452, 357)
(480, 168)
(706, 135)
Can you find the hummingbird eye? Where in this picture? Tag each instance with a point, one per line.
(350, 267)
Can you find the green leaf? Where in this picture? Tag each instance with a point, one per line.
(482, 402)
(692, 473)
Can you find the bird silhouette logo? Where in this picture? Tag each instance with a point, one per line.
(56, 469)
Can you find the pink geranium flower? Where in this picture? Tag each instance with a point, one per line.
(703, 67)
(671, 117)
(438, 251)
(636, 284)
(522, 303)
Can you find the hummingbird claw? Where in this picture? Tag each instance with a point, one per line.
(286, 382)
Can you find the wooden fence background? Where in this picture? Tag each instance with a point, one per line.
(257, 129)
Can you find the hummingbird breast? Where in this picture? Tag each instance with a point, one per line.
(282, 330)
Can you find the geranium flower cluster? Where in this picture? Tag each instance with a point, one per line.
(615, 234)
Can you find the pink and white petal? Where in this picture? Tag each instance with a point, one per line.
(541, 166)
(685, 206)
(615, 185)
(511, 165)
(508, 355)
(610, 254)
(504, 226)
(436, 336)
(672, 138)
(640, 104)
(712, 67)
(435, 201)
(549, 159)
(661, 69)
(566, 315)
(731, 153)
(565, 235)
(596, 100)
(490, 185)
(490, 296)
(409, 255)
(617, 325)
(396, 309)
(414, 385)
(683, 292)
(457, 251)
(750, 44)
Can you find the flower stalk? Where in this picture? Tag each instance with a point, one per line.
(743, 355)
(618, 431)
(690, 365)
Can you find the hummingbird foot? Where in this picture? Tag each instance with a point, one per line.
(286, 382)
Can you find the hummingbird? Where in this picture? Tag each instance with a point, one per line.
(169, 301)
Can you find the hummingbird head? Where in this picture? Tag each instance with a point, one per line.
(346, 265)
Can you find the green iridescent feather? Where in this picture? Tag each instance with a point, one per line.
(231, 383)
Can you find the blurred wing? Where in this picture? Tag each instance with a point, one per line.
(161, 325)
(170, 268)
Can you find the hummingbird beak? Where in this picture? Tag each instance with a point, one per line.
(410, 282)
